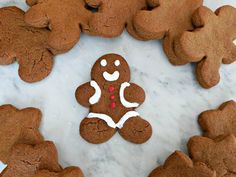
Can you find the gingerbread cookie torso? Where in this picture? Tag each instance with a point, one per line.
(112, 101)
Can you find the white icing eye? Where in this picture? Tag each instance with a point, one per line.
(103, 62)
(117, 63)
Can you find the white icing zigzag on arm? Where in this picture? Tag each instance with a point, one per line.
(97, 95)
(122, 97)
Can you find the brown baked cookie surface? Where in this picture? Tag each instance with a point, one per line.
(67, 172)
(221, 121)
(63, 17)
(18, 126)
(112, 101)
(180, 165)
(112, 16)
(26, 160)
(218, 154)
(27, 45)
(167, 20)
(211, 44)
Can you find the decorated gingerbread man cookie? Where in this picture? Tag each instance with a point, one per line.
(112, 101)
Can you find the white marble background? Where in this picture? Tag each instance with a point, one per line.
(174, 100)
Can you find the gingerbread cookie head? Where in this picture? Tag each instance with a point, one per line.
(221, 121)
(67, 172)
(63, 18)
(111, 68)
(211, 44)
(179, 165)
(27, 45)
(112, 16)
(26, 160)
(18, 126)
(218, 154)
(159, 23)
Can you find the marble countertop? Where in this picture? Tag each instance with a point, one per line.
(174, 100)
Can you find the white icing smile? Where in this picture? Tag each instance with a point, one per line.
(111, 77)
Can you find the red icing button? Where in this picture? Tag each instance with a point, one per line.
(112, 97)
(113, 105)
(111, 89)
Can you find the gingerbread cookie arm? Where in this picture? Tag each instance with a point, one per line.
(59, 39)
(36, 65)
(134, 93)
(178, 158)
(84, 93)
(48, 150)
(197, 145)
(36, 16)
(202, 16)
(146, 29)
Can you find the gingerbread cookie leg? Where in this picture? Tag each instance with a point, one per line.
(36, 66)
(208, 72)
(136, 130)
(95, 130)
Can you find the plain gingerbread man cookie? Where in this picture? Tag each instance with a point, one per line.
(67, 172)
(112, 100)
(167, 20)
(26, 160)
(64, 18)
(113, 16)
(218, 154)
(211, 44)
(18, 126)
(221, 121)
(180, 165)
(27, 45)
